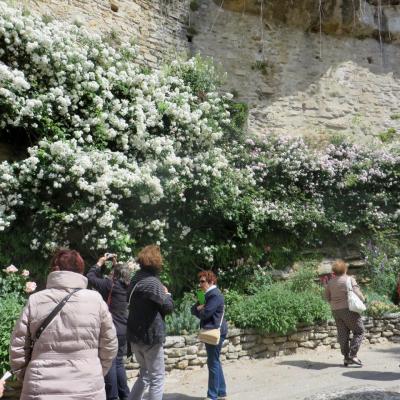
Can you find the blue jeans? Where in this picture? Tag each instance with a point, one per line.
(216, 380)
(115, 380)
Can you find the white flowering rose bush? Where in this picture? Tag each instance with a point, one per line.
(113, 152)
(116, 157)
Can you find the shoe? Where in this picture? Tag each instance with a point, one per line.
(346, 362)
(355, 360)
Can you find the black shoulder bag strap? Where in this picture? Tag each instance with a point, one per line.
(51, 316)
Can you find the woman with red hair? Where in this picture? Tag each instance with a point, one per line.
(76, 349)
(211, 315)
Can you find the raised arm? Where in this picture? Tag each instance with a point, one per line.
(97, 281)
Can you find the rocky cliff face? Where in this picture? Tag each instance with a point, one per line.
(359, 18)
(299, 81)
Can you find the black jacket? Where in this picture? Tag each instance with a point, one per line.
(148, 306)
(210, 316)
(118, 306)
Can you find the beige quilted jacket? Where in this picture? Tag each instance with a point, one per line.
(74, 351)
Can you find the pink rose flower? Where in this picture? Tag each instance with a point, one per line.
(25, 272)
(30, 287)
(11, 269)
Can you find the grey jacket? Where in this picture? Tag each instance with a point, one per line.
(74, 351)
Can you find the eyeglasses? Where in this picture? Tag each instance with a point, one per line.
(202, 281)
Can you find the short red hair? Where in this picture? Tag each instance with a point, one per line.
(209, 276)
(67, 260)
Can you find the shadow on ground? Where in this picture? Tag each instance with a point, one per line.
(309, 364)
(178, 396)
(373, 375)
(392, 350)
(360, 395)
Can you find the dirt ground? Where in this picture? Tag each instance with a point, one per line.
(308, 375)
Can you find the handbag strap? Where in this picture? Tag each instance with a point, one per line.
(51, 316)
(349, 284)
(130, 296)
(222, 319)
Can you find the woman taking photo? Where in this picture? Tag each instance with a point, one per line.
(149, 303)
(211, 315)
(346, 321)
(76, 349)
(114, 291)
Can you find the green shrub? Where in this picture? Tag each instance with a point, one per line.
(232, 297)
(279, 309)
(382, 265)
(10, 309)
(194, 5)
(304, 279)
(388, 135)
(379, 308)
(182, 322)
(260, 280)
(378, 304)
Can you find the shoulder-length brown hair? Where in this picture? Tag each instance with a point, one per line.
(150, 258)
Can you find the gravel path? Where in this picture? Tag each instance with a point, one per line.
(302, 376)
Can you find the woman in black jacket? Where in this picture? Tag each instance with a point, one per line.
(149, 303)
(211, 315)
(114, 291)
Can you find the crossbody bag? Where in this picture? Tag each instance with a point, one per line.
(355, 303)
(212, 336)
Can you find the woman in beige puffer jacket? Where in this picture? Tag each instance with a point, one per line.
(76, 349)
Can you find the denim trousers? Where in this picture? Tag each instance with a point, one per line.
(216, 380)
(115, 380)
(151, 373)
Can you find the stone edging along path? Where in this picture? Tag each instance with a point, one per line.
(186, 352)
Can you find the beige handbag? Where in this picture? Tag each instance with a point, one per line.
(211, 336)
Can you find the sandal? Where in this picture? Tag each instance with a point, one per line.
(355, 360)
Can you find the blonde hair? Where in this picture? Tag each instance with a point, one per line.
(339, 267)
(150, 258)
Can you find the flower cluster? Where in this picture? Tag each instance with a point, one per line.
(15, 283)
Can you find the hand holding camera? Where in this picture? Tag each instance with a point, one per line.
(107, 257)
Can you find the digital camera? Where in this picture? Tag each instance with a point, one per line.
(110, 256)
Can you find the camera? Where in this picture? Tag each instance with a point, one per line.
(109, 256)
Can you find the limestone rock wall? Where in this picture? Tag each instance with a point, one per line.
(372, 18)
(157, 26)
(302, 83)
(186, 352)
